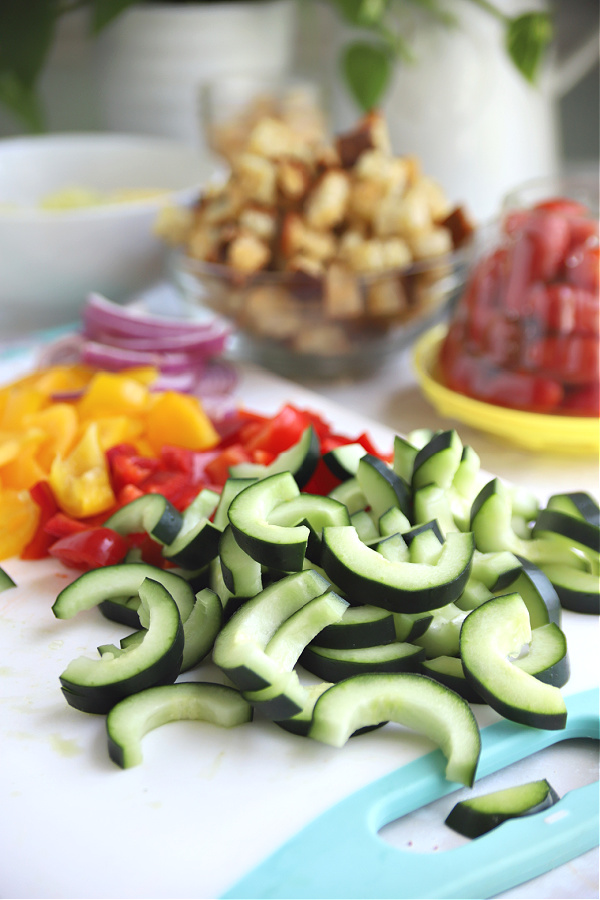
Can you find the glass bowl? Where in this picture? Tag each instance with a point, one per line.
(524, 334)
(338, 325)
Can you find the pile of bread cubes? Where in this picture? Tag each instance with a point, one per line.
(315, 243)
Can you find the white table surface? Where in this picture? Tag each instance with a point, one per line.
(56, 760)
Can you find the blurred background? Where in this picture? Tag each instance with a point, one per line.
(459, 105)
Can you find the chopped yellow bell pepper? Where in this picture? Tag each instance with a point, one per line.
(109, 394)
(80, 481)
(179, 419)
(19, 517)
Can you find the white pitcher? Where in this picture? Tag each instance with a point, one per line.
(462, 107)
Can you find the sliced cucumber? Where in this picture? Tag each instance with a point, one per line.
(404, 458)
(343, 461)
(547, 657)
(573, 530)
(95, 685)
(350, 494)
(442, 636)
(381, 486)
(393, 521)
(242, 575)
(448, 670)
(121, 580)
(366, 526)
(152, 514)
(437, 462)
(478, 815)
(577, 591)
(301, 460)
(538, 592)
(276, 546)
(489, 636)
(410, 626)
(425, 543)
(491, 516)
(576, 503)
(360, 626)
(286, 697)
(6, 581)
(363, 574)
(412, 700)
(431, 503)
(124, 610)
(231, 488)
(132, 718)
(301, 722)
(394, 548)
(239, 649)
(334, 665)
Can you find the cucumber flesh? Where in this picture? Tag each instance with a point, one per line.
(449, 670)
(547, 657)
(300, 460)
(152, 513)
(578, 591)
(362, 572)
(132, 718)
(360, 626)
(333, 665)
(123, 579)
(277, 546)
(489, 636)
(577, 503)
(411, 700)
(155, 660)
(239, 649)
(478, 815)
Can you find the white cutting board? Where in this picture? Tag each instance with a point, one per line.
(207, 804)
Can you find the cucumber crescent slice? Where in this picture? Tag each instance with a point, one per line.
(412, 700)
(135, 716)
(95, 685)
(363, 574)
(479, 815)
(492, 633)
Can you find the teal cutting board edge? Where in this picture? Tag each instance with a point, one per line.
(340, 854)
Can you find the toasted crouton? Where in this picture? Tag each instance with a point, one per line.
(247, 253)
(256, 178)
(326, 203)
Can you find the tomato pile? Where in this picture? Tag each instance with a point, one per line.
(525, 332)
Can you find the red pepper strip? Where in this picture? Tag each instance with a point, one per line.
(91, 548)
(38, 546)
(61, 525)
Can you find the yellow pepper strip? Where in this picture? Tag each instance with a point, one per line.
(114, 430)
(18, 521)
(80, 481)
(179, 419)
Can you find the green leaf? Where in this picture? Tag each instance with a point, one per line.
(367, 69)
(105, 11)
(22, 101)
(527, 38)
(26, 33)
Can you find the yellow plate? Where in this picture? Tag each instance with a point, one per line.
(535, 431)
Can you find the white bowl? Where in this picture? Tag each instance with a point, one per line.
(51, 259)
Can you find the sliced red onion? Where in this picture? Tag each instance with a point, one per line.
(105, 356)
(101, 313)
(64, 351)
(208, 341)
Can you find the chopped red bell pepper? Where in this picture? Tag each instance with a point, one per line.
(38, 546)
(92, 548)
